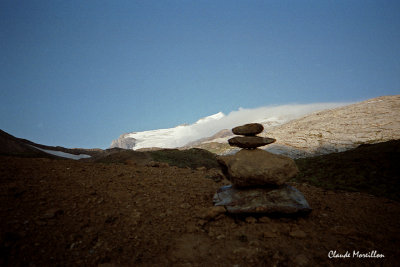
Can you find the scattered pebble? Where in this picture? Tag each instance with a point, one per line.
(185, 206)
(51, 213)
(301, 260)
(211, 213)
(264, 220)
(221, 237)
(251, 220)
(298, 234)
(269, 234)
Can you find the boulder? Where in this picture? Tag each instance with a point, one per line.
(282, 200)
(248, 129)
(250, 142)
(257, 167)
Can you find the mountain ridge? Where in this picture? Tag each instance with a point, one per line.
(11, 145)
(187, 135)
(331, 130)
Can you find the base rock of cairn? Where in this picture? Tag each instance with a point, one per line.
(283, 200)
(257, 167)
(258, 177)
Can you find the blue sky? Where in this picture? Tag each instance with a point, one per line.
(80, 73)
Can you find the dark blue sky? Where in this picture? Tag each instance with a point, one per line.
(80, 73)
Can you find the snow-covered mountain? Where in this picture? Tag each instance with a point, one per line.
(182, 135)
(164, 138)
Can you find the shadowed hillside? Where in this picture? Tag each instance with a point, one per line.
(374, 169)
(371, 168)
(12, 146)
(191, 158)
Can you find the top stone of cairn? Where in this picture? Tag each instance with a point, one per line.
(249, 129)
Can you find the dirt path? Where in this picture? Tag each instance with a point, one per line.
(64, 212)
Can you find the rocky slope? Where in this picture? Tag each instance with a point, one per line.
(333, 130)
(372, 121)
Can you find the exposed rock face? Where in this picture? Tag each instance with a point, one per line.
(284, 200)
(372, 121)
(249, 129)
(250, 142)
(257, 167)
(124, 142)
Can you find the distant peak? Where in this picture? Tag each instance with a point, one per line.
(215, 116)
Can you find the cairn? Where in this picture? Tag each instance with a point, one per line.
(258, 177)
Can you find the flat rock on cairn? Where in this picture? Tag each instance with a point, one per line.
(258, 177)
(250, 142)
(249, 129)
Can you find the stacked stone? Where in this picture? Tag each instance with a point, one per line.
(249, 140)
(258, 177)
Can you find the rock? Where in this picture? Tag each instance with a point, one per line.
(264, 220)
(40, 222)
(185, 206)
(248, 252)
(301, 260)
(283, 200)
(153, 164)
(346, 231)
(254, 243)
(250, 142)
(257, 167)
(251, 220)
(215, 175)
(211, 213)
(108, 264)
(222, 236)
(164, 165)
(201, 222)
(157, 164)
(298, 234)
(201, 168)
(51, 213)
(269, 234)
(192, 228)
(248, 129)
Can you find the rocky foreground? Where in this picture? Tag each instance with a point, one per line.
(64, 212)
